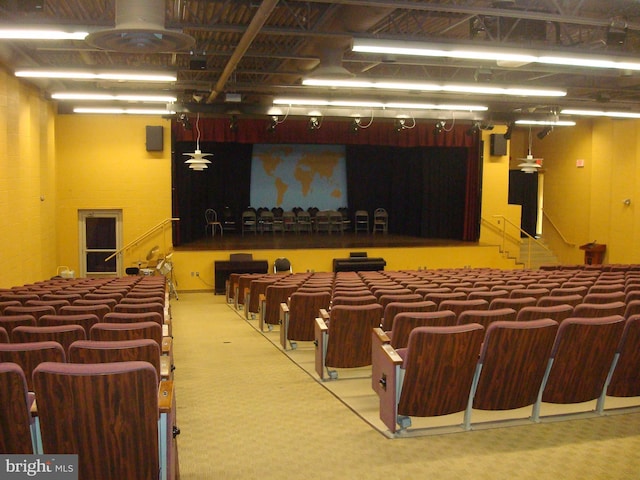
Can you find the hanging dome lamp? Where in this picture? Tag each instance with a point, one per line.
(529, 163)
(198, 161)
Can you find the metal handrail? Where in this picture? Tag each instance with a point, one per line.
(530, 237)
(567, 242)
(146, 234)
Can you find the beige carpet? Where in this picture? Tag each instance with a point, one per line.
(247, 411)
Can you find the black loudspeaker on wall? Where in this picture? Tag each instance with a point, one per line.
(498, 145)
(154, 138)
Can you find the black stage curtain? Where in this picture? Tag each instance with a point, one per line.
(224, 183)
(429, 184)
(422, 188)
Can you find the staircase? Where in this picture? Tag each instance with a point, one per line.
(539, 254)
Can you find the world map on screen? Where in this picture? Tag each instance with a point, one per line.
(294, 175)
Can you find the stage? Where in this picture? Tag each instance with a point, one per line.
(297, 241)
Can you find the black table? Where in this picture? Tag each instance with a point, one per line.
(222, 270)
(358, 264)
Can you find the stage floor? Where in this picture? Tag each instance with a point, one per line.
(269, 241)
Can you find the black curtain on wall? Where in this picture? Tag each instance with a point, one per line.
(422, 188)
(224, 183)
(523, 190)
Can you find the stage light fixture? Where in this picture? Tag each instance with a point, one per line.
(271, 128)
(544, 132)
(314, 123)
(507, 134)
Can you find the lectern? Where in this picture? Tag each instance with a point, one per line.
(593, 253)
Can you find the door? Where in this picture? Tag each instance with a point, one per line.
(100, 238)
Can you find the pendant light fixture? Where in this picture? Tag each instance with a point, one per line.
(198, 161)
(530, 164)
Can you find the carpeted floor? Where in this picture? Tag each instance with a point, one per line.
(247, 411)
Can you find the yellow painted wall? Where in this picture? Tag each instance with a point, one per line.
(586, 204)
(495, 198)
(27, 184)
(102, 163)
(319, 260)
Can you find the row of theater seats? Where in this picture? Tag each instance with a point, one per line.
(93, 353)
(352, 317)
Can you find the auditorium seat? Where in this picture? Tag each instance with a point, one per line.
(574, 373)
(511, 367)
(298, 315)
(459, 306)
(34, 310)
(625, 376)
(270, 303)
(593, 310)
(398, 335)
(353, 300)
(4, 336)
(9, 322)
(489, 295)
(98, 310)
(550, 300)
(257, 287)
(145, 350)
(85, 320)
(515, 303)
(392, 309)
(30, 355)
(487, 317)
(65, 335)
(439, 365)
(439, 297)
(554, 312)
(147, 424)
(15, 417)
(56, 304)
(343, 338)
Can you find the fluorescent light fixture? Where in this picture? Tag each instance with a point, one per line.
(499, 54)
(371, 104)
(553, 123)
(434, 87)
(83, 75)
(124, 111)
(114, 98)
(600, 113)
(39, 34)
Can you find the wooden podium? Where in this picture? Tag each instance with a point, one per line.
(593, 253)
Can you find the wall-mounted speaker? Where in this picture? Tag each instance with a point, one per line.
(154, 138)
(498, 145)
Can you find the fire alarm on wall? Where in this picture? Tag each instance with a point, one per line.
(580, 163)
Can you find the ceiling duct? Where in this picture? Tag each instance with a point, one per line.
(139, 28)
(330, 66)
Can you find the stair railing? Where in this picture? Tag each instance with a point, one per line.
(567, 242)
(140, 238)
(531, 239)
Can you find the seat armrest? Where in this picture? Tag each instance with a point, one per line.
(381, 336)
(378, 339)
(391, 355)
(165, 367)
(167, 346)
(284, 324)
(324, 314)
(165, 396)
(321, 325)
